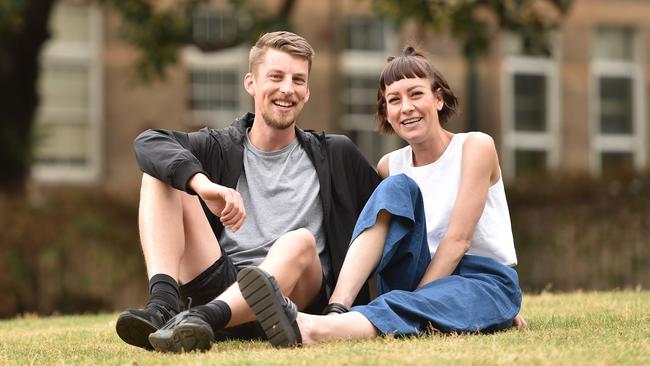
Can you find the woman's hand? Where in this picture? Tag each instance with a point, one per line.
(480, 170)
(224, 202)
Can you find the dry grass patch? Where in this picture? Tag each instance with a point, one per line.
(579, 328)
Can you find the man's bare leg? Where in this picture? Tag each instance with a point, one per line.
(178, 244)
(175, 235)
(294, 263)
(292, 259)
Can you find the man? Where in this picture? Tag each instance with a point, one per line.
(261, 192)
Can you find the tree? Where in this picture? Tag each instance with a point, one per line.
(158, 31)
(476, 22)
(23, 31)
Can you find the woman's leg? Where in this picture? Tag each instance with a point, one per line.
(322, 328)
(362, 258)
(481, 295)
(390, 236)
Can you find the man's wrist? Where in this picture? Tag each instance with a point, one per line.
(198, 181)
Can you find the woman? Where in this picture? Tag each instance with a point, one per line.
(436, 232)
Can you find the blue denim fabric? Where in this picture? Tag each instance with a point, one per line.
(481, 295)
(401, 266)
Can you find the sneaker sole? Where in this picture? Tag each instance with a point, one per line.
(134, 330)
(263, 295)
(184, 338)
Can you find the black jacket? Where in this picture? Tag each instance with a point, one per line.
(346, 179)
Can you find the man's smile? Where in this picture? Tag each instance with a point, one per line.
(283, 103)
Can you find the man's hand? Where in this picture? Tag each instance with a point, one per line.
(224, 202)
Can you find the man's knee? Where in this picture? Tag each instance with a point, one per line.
(149, 180)
(299, 245)
(151, 184)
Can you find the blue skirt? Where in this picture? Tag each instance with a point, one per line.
(481, 295)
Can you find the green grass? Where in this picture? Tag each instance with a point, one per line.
(580, 328)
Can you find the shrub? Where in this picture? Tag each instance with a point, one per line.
(580, 233)
(73, 251)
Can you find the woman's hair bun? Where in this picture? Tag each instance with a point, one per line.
(409, 51)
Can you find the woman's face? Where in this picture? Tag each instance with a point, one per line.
(412, 109)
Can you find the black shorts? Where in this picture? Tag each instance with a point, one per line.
(216, 279)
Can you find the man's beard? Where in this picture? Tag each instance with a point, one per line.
(277, 123)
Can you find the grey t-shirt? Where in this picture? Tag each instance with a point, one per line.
(280, 190)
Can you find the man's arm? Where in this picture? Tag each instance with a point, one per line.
(224, 202)
(366, 177)
(173, 156)
(178, 159)
(360, 177)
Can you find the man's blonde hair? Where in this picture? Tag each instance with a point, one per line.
(284, 41)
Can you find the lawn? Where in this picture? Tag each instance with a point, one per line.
(603, 328)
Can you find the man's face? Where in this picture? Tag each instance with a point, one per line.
(279, 86)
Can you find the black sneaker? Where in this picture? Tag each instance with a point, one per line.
(275, 313)
(135, 325)
(185, 332)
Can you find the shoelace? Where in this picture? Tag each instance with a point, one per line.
(291, 307)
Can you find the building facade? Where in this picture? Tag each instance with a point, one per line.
(583, 108)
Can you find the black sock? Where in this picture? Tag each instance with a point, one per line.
(163, 290)
(216, 313)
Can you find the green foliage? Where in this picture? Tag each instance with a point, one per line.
(578, 232)
(609, 328)
(65, 254)
(11, 19)
(476, 22)
(159, 32)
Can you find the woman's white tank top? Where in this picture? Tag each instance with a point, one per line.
(439, 183)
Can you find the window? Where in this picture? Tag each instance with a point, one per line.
(68, 120)
(530, 162)
(530, 109)
(367, 43)
(360, 94)
(211, 28)
(617, 102)
(365, 34)
(216, 94)
(615, 163)
(214, 89)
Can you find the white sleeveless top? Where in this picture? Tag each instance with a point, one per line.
(439, 183)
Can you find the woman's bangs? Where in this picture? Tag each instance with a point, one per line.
(403, 68)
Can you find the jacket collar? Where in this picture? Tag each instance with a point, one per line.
(245, 122)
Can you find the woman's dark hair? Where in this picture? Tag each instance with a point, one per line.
(412, 64)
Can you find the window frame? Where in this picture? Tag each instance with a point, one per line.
(224, 60)
(512, 140)
(88, 54)
(618, 143)
(366, 63)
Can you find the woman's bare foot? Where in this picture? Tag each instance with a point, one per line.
(306, 326)
(322, 328)
(519, 322)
